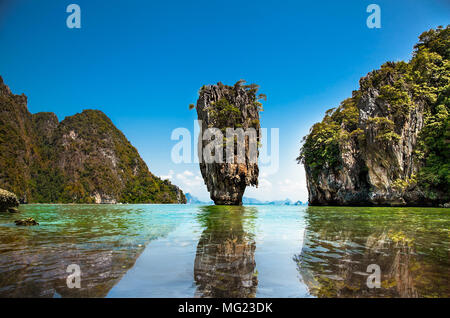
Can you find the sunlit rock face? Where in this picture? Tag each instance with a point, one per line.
(339, 255)
(237, 107)
(225, 264)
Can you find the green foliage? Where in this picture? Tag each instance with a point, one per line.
(224, 114)
(388, 74)
(148, 190)
(47, 185)
(434, 148)
(321, 147)
(398, 100)
(255, 123)
(431, 67)
(435, 41)
(404, 184)
(384, 128)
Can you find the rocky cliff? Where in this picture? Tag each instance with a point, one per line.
(8, 201)
(220, 107)
(389, 143)
(82, 159)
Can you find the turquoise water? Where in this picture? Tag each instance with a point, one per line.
(217, 251)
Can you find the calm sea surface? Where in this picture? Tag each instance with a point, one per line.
(217, 251)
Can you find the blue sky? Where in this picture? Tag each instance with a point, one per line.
(143, 62)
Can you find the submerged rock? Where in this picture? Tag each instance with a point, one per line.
(26, 222)
(8, 201)
(235, 107)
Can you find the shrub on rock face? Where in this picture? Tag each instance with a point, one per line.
(8, 201)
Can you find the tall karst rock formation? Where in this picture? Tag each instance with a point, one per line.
(236, 107)
(389, 144)
(82, 159)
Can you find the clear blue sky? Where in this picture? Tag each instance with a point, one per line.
(142, 63)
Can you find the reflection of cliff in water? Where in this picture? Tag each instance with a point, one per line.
(338, 248)
(225, 260)
(104, 241)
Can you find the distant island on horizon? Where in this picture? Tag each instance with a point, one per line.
(191, 199)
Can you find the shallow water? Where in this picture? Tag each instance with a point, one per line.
(211, 251)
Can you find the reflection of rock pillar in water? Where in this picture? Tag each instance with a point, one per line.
(225, 260)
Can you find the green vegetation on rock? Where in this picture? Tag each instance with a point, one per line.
(321, 146)
(234, 110)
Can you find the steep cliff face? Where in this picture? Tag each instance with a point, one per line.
(389, 143)
(83, 159)
(8, 201)
(17, 148)
(221, 107)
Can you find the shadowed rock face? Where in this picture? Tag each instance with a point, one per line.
(8, 201)
(225, 264)
(221, 106)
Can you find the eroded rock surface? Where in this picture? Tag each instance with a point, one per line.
(221, 106)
